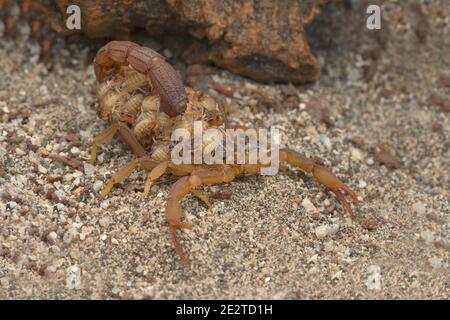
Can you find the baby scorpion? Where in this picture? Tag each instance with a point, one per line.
(145, 100)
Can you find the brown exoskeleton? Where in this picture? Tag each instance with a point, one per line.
(145, 100)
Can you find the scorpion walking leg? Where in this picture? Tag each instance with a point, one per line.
(322, 175)
(154, 175)
(157, 170)
(109, 133)
(180, 189)
(103, 138)
(120, 176)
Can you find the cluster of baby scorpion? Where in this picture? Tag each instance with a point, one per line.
(127, 97)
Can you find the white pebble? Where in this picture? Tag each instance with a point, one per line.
(140, 269)
(43, 90)
(97, 185)
(356, 154)
(435, 262)
(428, 236)
(42, 170)
(60, 195)
(326, 142)
(362, 184)
(337, 275)
(75, 151)
(89, 169)
(323, 231)
(73, 279)
(419, 208)
(52, 236)
(308, 205)
(370, 161)
(70, 235)
(104, 222)
(374, 278)
(104, 204)
(20, 152)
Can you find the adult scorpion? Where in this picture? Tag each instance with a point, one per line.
(144, 99)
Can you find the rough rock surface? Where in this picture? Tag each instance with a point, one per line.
(261, 39)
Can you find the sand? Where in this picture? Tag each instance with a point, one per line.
(378, 117)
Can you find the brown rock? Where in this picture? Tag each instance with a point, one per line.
(385, 156)
(261, 39)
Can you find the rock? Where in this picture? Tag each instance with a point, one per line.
(356, 154)
(337, 275)
(4, 283)
(309, 206)
(324, 231)
(326, 142)
(73, 278)
(75, 151)
(419, 208)
(42, 170)
(89, 169)
(59, 195)
(385, 156)
(435, 262)
(52, 236)
(427, 236)
(97, 185)
(104, 222)
(70, 235)
(20, 152)
(374, 278)
(260, 39)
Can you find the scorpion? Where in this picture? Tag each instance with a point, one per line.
(144, 99)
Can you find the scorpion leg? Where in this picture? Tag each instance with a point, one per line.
(183, 187)
(156, 171)
(322, 175)
(154, 175)
(103, 138)
(109, 133)
(120, 176)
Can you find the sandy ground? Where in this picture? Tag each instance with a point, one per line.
(377, 117)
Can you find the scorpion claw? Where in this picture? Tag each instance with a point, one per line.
(344, 202)
(178, 249)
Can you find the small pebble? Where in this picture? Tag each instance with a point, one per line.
(41, 169)
(89, 169)
(374, 278)
(20, 152)
(75, 151)
(73, 278)
(104, 222)
(427, 236)
(435, 262)
(325, 230)
(356, 154)
(362, 184)
(97, 185)
(419, 208)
